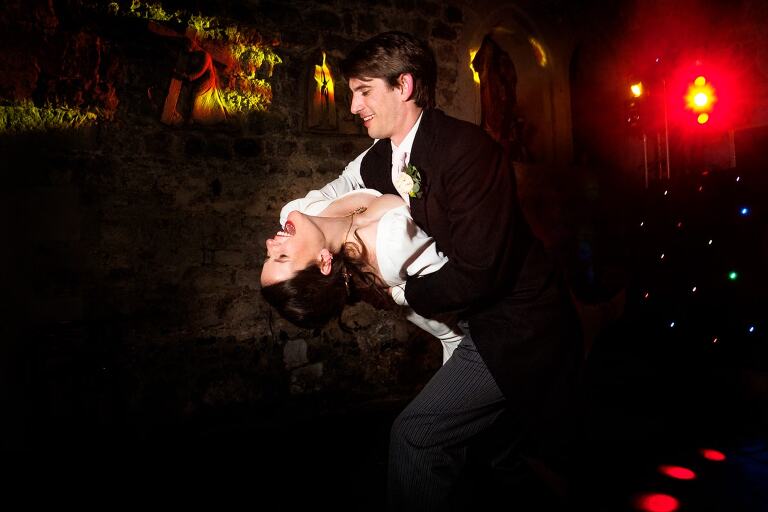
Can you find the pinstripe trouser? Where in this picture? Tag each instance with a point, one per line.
(429, 439)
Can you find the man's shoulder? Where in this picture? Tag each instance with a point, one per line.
(449, 129)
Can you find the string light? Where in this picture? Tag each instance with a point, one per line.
(673, 225)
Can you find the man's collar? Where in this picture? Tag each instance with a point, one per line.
(407, 142)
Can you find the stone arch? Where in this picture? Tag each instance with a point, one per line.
(542, 92)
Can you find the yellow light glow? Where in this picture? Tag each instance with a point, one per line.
(324, 83)
(637, 89)
(700, 99)
(703, 118)
(475, 76)
(539, 52)
(700, 96)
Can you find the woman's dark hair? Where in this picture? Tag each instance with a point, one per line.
(391, 54)
(311, 299)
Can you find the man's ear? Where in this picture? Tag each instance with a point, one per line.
(326, 262)
(405, 84)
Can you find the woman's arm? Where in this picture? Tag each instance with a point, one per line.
(404, 251)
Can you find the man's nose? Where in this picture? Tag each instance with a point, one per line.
(355, 105)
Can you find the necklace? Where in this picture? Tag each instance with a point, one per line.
(359, 209)
(345, 273)
(351, 215)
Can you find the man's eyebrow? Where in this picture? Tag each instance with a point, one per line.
(361, 86)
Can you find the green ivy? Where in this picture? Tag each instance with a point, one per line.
(26, 117)
(248, 52)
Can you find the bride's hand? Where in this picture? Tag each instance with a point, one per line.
(398, 294)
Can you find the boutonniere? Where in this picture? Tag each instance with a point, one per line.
(409, 181)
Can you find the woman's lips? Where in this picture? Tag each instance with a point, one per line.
(288, 230)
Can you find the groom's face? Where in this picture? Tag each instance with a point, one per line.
(381, 107)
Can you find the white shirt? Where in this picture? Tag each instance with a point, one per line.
(404, 148)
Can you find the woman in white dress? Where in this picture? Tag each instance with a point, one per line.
(356, 247)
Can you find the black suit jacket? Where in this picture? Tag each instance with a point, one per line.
(499, 276)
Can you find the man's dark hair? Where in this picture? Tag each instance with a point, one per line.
(391, 54)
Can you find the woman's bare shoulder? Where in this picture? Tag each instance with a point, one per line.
(386, 202)
(350, 202)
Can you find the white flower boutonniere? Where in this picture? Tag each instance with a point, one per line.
(409, 181)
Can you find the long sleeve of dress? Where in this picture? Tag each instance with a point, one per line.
(403, 250)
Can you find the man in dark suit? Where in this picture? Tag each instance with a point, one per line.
(504, 392)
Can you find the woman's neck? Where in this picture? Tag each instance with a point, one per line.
(339, 230)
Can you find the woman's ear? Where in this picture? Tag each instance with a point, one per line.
(406, 86)
(326, 262)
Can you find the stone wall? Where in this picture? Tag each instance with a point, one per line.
(136, 247)
(133, 249)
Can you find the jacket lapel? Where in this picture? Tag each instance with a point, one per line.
(420, 157)
(376, 168)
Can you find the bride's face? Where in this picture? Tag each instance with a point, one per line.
(299, 244)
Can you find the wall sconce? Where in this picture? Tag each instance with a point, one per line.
(475, 75)
(321, 104)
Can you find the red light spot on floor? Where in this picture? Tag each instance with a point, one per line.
(710, 454)
(678, 472)
(657, 503)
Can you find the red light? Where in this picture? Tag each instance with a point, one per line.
(716, 87)
(678, 472)
(714, 455)
(657, 503)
